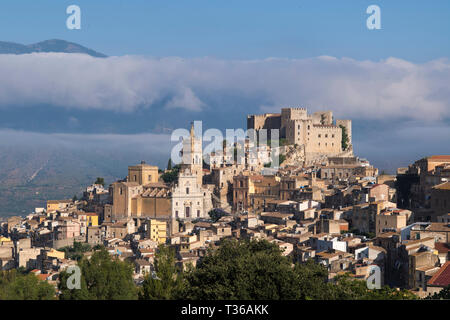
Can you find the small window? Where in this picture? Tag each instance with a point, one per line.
(187, 190)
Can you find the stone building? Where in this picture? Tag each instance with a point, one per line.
(189, 199)
(316, 132)
(440, 200)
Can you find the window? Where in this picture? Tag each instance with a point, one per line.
(320, 135)
(149, 177)
(176, 214)
(326, 135)
(198, 213)
(135, 178)
(187, 190)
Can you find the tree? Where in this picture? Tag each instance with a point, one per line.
(100, 180)
(102, 278)
(76, 251)
(243, 270)
(172, 175)
(167, 281)
(347, 288)
(75, 198)
(216, 214)
(344, 137)
(444, 294)
(169, 164)
(18, 286)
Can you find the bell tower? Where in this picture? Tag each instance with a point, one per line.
(193, 155)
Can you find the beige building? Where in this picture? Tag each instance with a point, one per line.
(440, 200)
(316, 132)
(189, 199)
(143, 174)
(390, 221)
(157, 230)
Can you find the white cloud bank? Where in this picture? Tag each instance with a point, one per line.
(387, 89)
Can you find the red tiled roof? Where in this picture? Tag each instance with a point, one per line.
(439, 157)
(442, 247)
(442, 277)
(42, 277)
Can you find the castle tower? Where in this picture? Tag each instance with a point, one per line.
(193, 155)
(348, 125)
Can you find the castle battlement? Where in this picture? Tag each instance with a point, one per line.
(317, 132)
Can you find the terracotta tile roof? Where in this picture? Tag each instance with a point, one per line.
(43, 277)
(439, 157)
(443, 186)
(442, 277)
(442, 247)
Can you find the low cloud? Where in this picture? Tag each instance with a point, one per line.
(387, 89)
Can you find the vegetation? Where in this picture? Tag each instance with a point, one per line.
(256, 270)
(169, 164)
(344, 137)
(76, 251)
(102, 278)
(100, 180)
(444, 294)
(17, 286)
(215, 215)
(171, 175)
(167, 281)
(281, 159)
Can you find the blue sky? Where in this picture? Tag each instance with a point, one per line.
(413, 30)
(394, 83)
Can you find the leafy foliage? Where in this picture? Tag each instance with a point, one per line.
(100, 180)
(76, 251)
(18, 286)
(444, 294)
(215, 215)
(172, 175)
(344, 137)
(102, 278)
(243, 270)
(167, 282)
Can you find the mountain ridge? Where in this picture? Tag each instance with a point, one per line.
(52, 45)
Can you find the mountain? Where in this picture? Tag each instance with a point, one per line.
(54, 45)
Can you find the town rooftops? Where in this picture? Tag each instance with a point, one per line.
(442, 277)
(439, 158)
(277, 215)
(443, 186)
(59, 201)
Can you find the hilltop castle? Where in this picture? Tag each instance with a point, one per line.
(316, 133)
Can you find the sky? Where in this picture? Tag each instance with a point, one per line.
(172, 62)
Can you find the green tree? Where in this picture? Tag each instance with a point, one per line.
(17, 286)
(215, 215)
(102, 278)
(100, 180)
(169, 164)
(444, 294)
(346, 288)
(172, 175)
(344, 137)
(76, 251)
(244, 270)
(167, 281)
